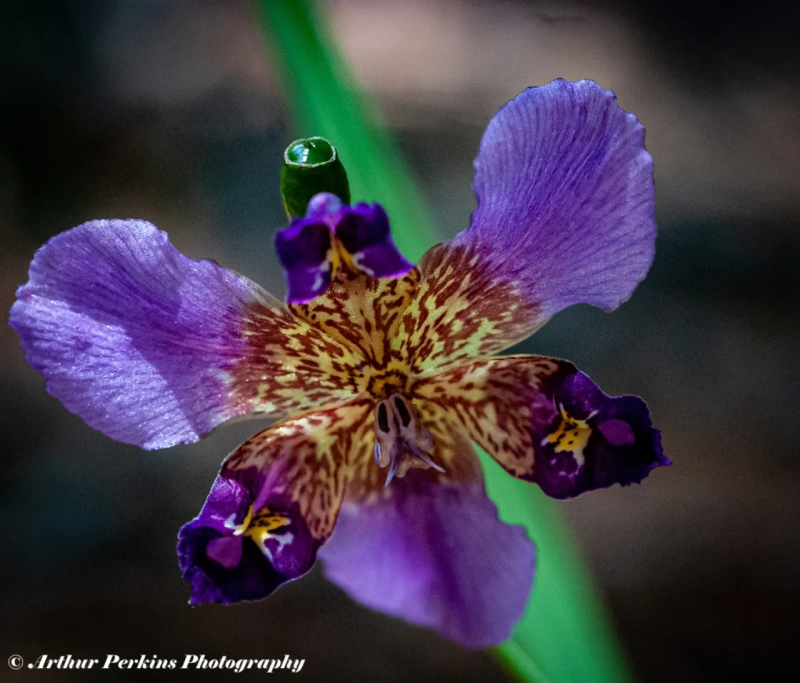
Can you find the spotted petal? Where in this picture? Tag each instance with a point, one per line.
(155, 349)
(544, 421)
(461, 310)
(363, 314)
(565, 216)
(437, 556)
(274, 503)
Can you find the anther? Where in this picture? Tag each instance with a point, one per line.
(402, 411)
(383, 418)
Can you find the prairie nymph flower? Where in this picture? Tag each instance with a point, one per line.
(379, 372)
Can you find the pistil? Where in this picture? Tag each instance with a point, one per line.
(401, 440)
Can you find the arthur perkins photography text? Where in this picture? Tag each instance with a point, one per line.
(154, 662)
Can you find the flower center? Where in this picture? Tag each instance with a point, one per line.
(385, 382)
(401, 440)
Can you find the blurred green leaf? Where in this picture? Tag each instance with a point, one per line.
(565, 635)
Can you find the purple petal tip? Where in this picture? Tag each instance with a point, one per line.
(595, 441)
(224, 554)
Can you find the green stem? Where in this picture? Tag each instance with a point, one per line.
(565, 632)
(565, 635)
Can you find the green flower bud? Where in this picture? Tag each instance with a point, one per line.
(310, 166)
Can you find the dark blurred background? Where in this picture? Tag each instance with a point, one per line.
(170, 111)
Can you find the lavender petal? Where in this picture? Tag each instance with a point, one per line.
(133, 336)
(565, 198)
(437, 556)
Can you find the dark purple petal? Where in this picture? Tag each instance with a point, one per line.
(252, 578)
(225, 550)
(565, 198)
(617, 432)
(603, 440)
(364, 232)
(306, 247)
(305, 252)
(131, 335)
(437, 556)
(225, 565)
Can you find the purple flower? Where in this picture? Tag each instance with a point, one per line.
(379, 373)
